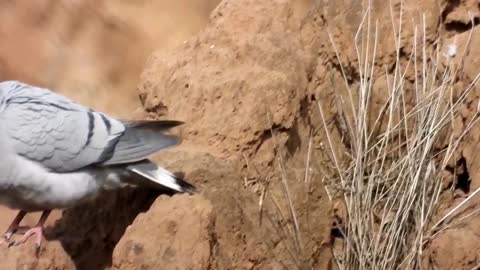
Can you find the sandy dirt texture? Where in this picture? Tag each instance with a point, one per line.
(245, 76)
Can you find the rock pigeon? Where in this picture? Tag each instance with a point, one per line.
(56, 154)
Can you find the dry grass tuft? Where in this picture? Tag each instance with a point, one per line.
(387, 167)
(388, 172)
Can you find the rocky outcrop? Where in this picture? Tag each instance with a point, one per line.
(247, 87)
(173, 234)
(51, 256)
(246, 66)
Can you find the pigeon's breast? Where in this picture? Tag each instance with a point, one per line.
(28, 186)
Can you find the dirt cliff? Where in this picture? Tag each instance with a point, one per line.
(245, 76)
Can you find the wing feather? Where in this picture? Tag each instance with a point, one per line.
(64, 136)
(56, 132)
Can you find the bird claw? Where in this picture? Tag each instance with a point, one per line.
(6, 239)
(37, 231)
(27, 232)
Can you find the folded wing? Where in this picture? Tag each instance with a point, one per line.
(64, 136)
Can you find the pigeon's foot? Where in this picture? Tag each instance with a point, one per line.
(14, 228)
(37, 230)
(6, 238)
(8, 234)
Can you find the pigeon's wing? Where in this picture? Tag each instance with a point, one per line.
(57, 133)
(64, 136)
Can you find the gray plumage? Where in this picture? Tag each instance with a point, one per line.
(57, 153)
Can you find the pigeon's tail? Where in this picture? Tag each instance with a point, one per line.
(153, 175)
(139, 140)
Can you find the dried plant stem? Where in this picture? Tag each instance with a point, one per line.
(390, 171)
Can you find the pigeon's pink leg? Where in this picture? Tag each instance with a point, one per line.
(13, 227)
(36, 230)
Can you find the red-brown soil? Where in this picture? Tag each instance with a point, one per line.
(234, 73)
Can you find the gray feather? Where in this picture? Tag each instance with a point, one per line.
(141, 139)
(50, 129)
(57, 153)
(64, 136)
